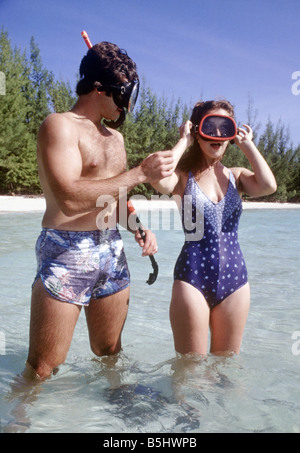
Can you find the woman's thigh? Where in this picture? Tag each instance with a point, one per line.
(189, 316)
(228, 321)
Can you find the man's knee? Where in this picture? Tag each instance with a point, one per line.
(40, 369)
(107, 348)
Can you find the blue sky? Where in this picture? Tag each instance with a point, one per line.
(185, 49)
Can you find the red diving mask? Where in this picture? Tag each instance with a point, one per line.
(217, 128)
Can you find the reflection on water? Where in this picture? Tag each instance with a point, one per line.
(24, 390)
(147, 388)
(186, 394)
(171, 397)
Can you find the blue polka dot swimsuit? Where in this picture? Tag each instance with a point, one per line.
(211, 259)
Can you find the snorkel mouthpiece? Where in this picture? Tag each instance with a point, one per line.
(115, 124)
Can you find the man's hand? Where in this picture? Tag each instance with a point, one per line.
(158, 166)
(149, 243)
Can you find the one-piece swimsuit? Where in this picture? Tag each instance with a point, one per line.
(211, 261)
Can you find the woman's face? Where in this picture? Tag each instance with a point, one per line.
(213, 150)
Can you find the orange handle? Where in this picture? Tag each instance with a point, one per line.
(131, 208)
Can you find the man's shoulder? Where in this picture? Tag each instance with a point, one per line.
(57, 119)
(56, 126)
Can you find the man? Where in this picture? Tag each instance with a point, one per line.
(79, 160)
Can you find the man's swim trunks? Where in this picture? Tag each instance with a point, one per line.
(213, 263)
(76, 266)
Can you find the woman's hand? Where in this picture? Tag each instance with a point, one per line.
(260, 181)
(185, 132)
(244, 136)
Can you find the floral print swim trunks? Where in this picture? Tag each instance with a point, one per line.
(76, 266)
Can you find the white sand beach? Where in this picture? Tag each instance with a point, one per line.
(21, 204)
(38, 204)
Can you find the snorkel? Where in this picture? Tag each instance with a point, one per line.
(114, 124)
(152, 276)
(124, 96)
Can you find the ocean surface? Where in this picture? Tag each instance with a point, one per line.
(148, 388)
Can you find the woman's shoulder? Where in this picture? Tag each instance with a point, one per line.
(237, 172)
(183, 177)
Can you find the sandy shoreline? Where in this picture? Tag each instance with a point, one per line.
(38, 204)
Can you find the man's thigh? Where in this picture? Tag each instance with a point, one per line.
(52, 325)
(105, 319)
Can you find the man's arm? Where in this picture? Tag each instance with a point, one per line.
(168, 184)
(59, 152)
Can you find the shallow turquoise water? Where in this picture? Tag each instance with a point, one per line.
(147, 388)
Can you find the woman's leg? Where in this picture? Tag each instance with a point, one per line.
(189, 315)
(228, 320)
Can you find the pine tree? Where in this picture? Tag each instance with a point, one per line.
(37, 91)
(61, 96)
(16, 142)
(29, 92)
(276, 147)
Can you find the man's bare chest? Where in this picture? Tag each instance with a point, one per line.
(102, 156)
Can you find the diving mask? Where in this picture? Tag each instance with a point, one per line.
(217, 128)
(124, 96)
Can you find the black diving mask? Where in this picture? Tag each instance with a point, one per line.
(124, 96)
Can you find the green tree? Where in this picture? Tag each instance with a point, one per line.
(37, 91)
(31, 94)
(61, 96)
(275, 145)
(17, 167)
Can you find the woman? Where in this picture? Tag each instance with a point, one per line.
(210, 287)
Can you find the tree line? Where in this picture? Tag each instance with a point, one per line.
(32, 92)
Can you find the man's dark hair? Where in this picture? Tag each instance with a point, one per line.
(105, 63)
